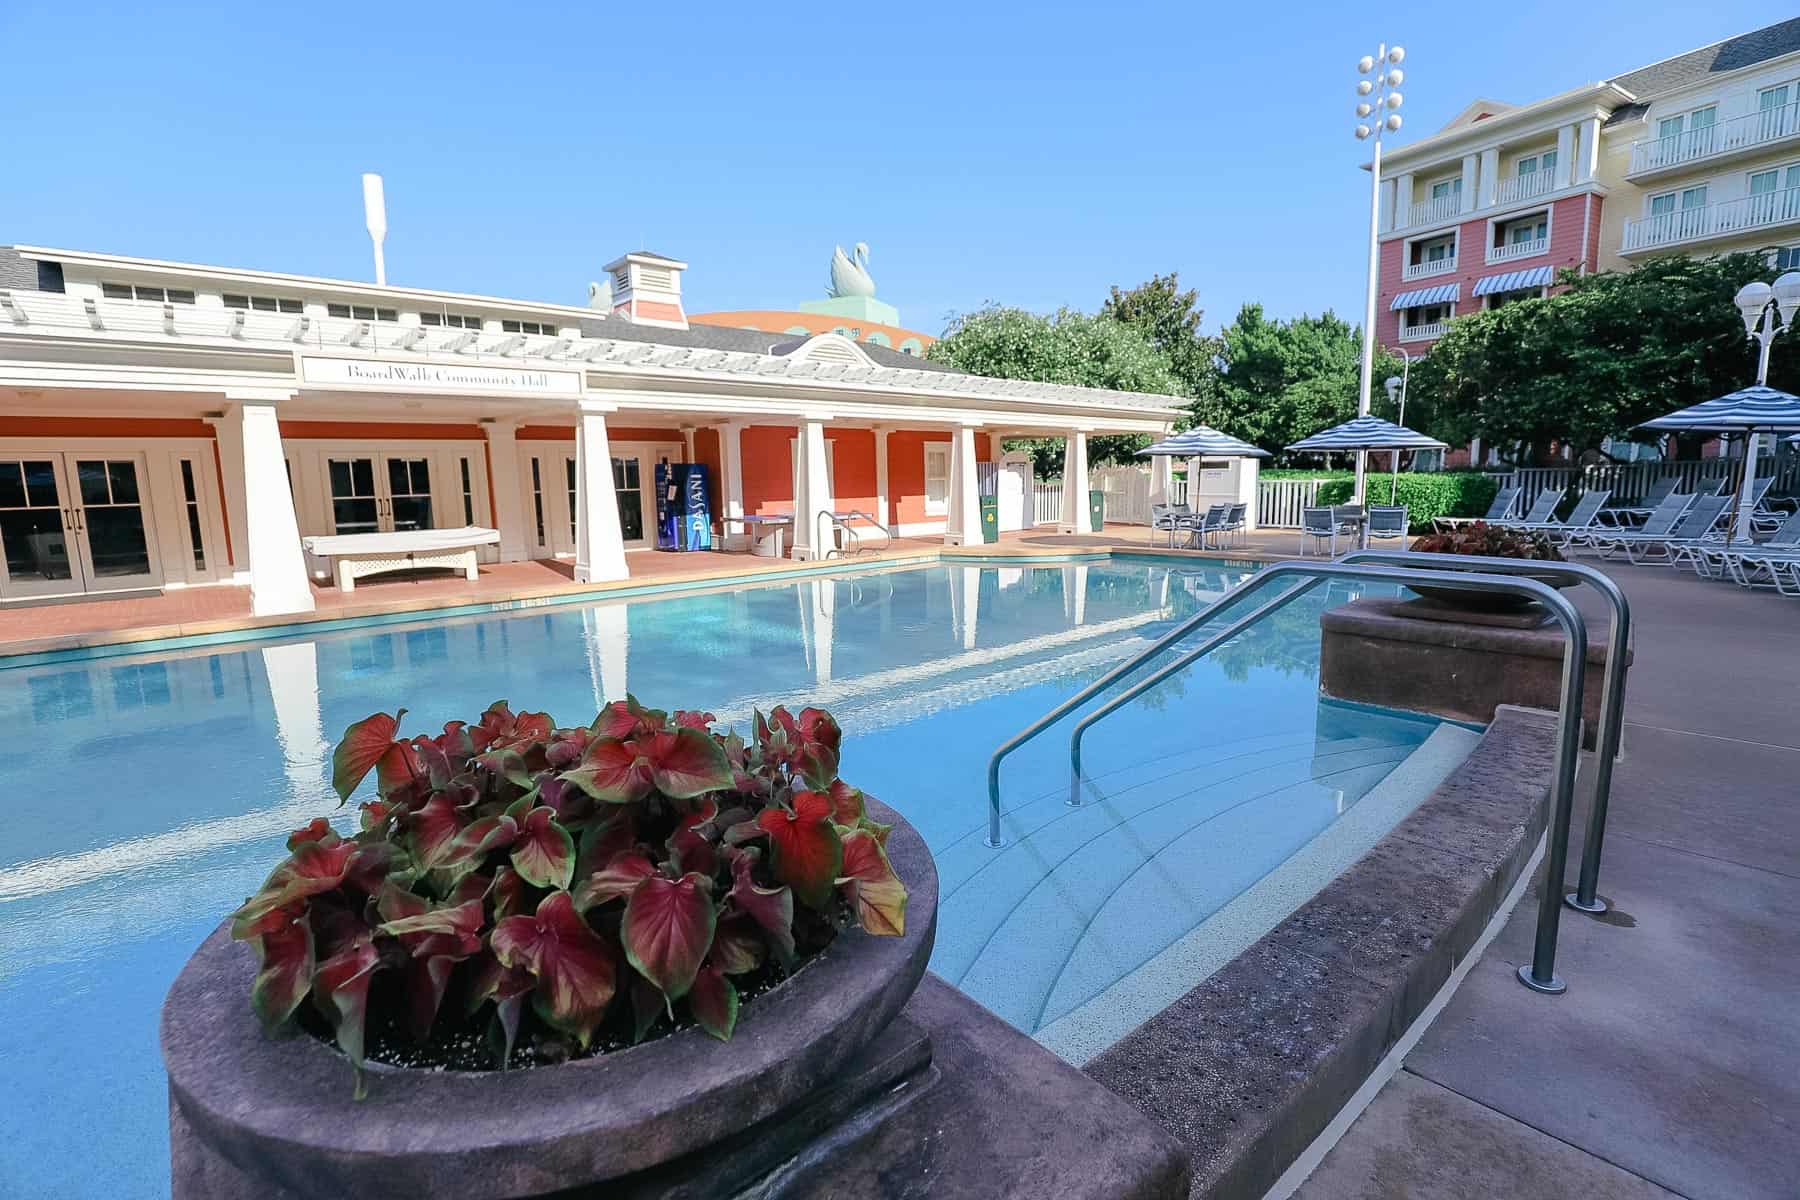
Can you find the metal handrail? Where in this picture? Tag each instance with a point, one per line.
(1540, 974)
(1612, 687)
(841, 520)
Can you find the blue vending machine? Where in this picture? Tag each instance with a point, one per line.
(683, 513)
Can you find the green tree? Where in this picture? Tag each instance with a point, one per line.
(1282, 380)
(1170, 318)
(1613, 350)
(1066, 347)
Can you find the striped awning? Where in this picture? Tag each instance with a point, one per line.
(1201, 442)
(1368, 433)
(1515, 281)
(1749, 410)
(1443, 293)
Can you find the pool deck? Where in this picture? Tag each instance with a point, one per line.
(213, 610)
(1668, 1069)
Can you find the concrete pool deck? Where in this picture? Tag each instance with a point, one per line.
(1669, 1068)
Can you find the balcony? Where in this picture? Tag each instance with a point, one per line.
(1709, 221)
(1740, 134)
(1515, 250)
(1521, 188)
(1423, 333)
(1425, 270)
(1434, 211)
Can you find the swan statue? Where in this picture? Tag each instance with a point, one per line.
(600, 296)
(850, 278)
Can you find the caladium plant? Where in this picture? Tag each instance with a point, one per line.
(546, 880)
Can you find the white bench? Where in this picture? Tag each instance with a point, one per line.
(357, 555)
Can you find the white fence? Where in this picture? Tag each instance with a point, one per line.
(1279, 501)
(1127, 495)
(1632, 481)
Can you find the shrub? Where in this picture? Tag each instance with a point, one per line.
(1426, 494)
(1494, 541)
(514, 862)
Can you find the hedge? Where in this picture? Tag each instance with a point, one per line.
(1426, 494)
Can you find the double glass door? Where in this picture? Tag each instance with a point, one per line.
(550, 505)
(379, 493)
(74, 522)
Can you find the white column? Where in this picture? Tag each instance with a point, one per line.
(251, 435)
(962, 526)
(231, 481)
(606, 629)
(1162, 478)
(1490, 180)
(503, 464)
(731, 485)
(1249, 471)
(818, 621)
(1075, 583)
(1565, 156)
(965, 603)
(293, 672)
(687, 442)
(1471, 178)
(1588, 152)
(995, 450)
(599, 545)
(882, 509)
(1403, 200)
(814, 492)
(1074, 516)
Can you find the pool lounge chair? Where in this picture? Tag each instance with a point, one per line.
(1626, 516)
(1583, 518)
(1760, 565)
(1542, 509)
(1504, 501)
(1696, 525)
(1607, 541)
(1691, 551)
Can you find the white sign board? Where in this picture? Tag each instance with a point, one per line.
(387, 375)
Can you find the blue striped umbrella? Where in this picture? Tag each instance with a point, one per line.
(1368, 433)
(1756, 409)
(1201, 442)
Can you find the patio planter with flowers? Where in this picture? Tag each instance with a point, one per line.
(548, 958)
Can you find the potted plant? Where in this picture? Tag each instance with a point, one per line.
(583, 908)
(1491, 541)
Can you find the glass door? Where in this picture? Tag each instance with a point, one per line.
(72, 523)
(380, 493)
(549, 486)
(628, 485)
(355, 506)
(409, 493)
(110, 531)
(35, 528)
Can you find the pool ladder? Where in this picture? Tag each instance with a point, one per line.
(1452, 572)
(833, 523)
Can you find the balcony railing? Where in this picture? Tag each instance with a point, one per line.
(1430, 212)
(1512, 250)
(1420, 333)
(1524, 187)
(1733, 217)
(1723, 137)
(1425, 270)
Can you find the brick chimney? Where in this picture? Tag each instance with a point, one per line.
(646, 289)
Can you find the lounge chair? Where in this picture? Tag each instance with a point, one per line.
(1504, 501)
(358, 555)
(1542, 509)
(1583, 518)
(1318, 525)
(1387, 522)
(1692, 551)
(1661, 522)
(1753, 566)
(1626, 516)
(1695, 526)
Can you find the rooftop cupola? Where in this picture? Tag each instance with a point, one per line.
(646, 288)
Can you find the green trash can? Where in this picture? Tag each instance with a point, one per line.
(1097, 511)
(990, 519)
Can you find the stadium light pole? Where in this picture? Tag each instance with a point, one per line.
(1377, 110)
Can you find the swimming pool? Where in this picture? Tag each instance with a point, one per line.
(150, 794)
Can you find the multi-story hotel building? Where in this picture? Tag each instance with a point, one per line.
(1697, 154)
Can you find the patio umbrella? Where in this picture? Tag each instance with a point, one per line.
(1201, 442)
(1751, 411)
(1369, 433)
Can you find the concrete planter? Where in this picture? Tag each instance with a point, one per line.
(250, 1115)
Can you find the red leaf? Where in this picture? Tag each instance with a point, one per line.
(692, 849)
(869, 879)
(316, 830)
(690, 719)
(625, 718)
(846, 803)
(806, 850)
(612, 772)
(285, 955)
(341, 986)
(605, 841)
(505, 763)
(419, 928)
(544, 854)
(312, 868)
(360, 749)
(398, 768)
(507, 987)
(771, 908)
(668, 929)
(738, 945)
(714, 1002)
(443, 840)
(686, 763)
(508, 893)
(566, 747)
(573, 966)
(615, 881)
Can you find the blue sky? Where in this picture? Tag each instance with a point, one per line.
(1030, 154)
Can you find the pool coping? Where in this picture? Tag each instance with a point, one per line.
(1250, 1066)
(225, 631)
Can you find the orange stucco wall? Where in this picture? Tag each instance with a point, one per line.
(407, 431)
(706, 452)
(769, 471)
(99, 427)
(614, 433)
(906, 475)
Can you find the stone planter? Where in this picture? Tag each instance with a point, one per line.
(274, 1118)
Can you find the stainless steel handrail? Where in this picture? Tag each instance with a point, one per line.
(841, 520)
(1540, 974)
(1612, 688)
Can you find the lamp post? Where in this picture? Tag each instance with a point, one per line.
(1396, 384)
(1768, 312)
(1377, 109)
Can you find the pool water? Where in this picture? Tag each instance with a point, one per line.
(150, 794)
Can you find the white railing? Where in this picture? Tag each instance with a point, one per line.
(1512, 250)
(1524, 187)
(1723, 137)
(1279, 501)
(1631, 482)
(1425, 270)
(1420, 333)
(1428, 212)
(1713, 220)
(1046, 504)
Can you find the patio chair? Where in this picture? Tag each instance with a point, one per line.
(1583, 518)
(1318, 525)
(1698, 525)
(1753, 566)
(1504, 501)
(1233, 529)
(1168, 517)
(1625, 516)
(1541, 509)
(1200, 527)
(1606, 541)
(1387, 522)
(1693, 550)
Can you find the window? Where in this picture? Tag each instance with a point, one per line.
(190, 497)
(1690, 198)
(1694, 122)
(468, 495)
(1772, 98)
(1435, 250)
(1528, 165)
(286, 304)
(360, 312)
(451, 320)
(1430, 314)
(538, 327)
(937, 478)
(1788, 259)
(139, 291)
(1521, 232)
(1764, 182)
(1446, 187)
